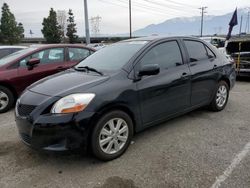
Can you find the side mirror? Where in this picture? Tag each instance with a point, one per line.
(33, 62)
(148, 70)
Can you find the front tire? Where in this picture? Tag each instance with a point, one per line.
(220, 98)
(112, 135)
(6, 99)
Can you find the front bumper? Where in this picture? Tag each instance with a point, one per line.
(53, 132)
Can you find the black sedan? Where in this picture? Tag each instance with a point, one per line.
(120, 90)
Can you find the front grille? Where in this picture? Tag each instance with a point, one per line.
(26, 138)
(24, 109)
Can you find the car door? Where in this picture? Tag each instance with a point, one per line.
(168, 92)
(51, 62)
(75, 55)
(203, 67)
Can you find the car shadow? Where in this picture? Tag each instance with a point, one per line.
(243, 79)
(18, 158)
(86, 157)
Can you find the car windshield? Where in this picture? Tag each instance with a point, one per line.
(113, 57)
(15, 55)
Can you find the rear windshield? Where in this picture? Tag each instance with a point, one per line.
(7, 59)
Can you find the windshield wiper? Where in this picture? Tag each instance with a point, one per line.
(87, 69)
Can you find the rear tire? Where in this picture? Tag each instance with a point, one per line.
(6, 99)
(112, 135)
(220, 98)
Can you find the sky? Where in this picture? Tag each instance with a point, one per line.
(114, 13)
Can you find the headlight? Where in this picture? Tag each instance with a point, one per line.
(72, 103)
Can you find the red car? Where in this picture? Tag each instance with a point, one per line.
(22, 68)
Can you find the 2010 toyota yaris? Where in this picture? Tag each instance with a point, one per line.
(120, 90)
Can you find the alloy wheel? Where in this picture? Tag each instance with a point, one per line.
(221, 96)
(4, 100)
(113, 136)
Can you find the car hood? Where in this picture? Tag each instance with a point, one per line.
(66, 83)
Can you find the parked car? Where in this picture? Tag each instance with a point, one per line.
(218, 42)
(22, 68)
(239, 50)
(97, 46)
(121, 90)
(7, 50)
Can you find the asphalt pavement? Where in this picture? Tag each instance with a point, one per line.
(199, 149)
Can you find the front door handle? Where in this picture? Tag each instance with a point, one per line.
(215, 66)
(184, 74)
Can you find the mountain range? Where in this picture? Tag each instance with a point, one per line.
(191, 25)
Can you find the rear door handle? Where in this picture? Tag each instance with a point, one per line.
(215, 66)
(193, 64)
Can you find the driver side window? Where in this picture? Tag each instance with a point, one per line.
(54, 55)
(38, 55)
(166, 55)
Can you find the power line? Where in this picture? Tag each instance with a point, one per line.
(182, 4)
(139, 7)
(148, 7)
(172, 7)
(112, 3)
(126, 6)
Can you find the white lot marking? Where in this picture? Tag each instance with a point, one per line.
(235, 162)
(6, 125)
(241, 92)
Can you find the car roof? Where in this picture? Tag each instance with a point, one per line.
(156, 38)
(45, 46)
(21, 47)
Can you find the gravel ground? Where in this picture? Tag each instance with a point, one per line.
(190, 151)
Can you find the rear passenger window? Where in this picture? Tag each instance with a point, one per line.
(210, 54)
(166, 55)
(77, 54)
(54, 55)
(196, 50)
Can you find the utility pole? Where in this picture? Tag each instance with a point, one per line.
(247, 23)
(130, 20)
(248, 20)
(202, 18)
(241, 18)
(86, 22)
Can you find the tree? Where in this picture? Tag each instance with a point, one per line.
(10, 31)
(71, 28)
(20, 30)
(51, 29)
